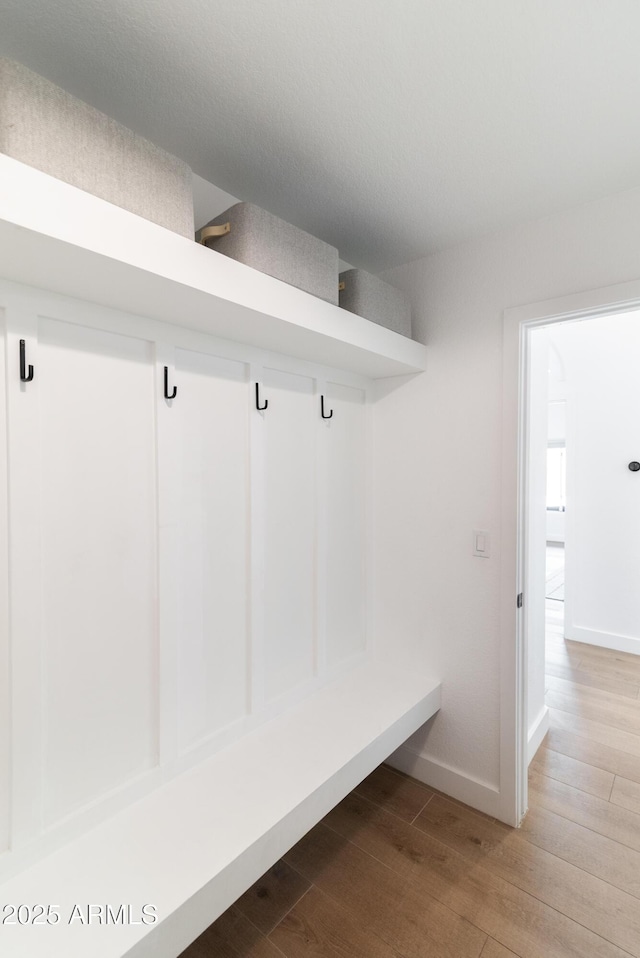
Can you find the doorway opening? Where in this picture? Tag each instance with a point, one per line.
(576, 508)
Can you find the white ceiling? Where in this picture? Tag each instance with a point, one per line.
(387, 129)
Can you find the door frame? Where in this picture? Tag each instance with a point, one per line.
(518, 323)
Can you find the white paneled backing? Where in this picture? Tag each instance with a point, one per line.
(344, 491)
(210, 417)
(290, 429)
(5, 700)
(181, 569)
(96, 471)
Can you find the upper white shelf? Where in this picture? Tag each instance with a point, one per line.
(60, 238)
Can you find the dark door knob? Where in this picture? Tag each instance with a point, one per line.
(634, 466)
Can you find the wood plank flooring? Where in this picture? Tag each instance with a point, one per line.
(398, 870)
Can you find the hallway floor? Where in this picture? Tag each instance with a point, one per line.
(554, 573)
(400, 871)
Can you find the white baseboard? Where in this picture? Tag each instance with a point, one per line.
(537, 732)
(606, 640)
(471, 791)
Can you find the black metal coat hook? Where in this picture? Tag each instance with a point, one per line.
(266, 402)
(24, 376)
(166, 386)
(322, 409)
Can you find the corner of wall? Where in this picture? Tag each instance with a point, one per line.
(451, 781)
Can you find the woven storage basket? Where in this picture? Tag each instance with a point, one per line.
(46, 127)
(369, 296)
(259, 239)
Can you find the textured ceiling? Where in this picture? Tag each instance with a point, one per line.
(387, 129)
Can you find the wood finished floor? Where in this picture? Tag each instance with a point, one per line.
(400, 871)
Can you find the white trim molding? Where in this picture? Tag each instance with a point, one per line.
(537, 733)
(481, 795)
(606, 640)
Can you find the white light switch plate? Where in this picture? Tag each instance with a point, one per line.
(481, 544)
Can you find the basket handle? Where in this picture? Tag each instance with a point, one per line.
(210, 231)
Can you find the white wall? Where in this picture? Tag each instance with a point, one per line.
(536, 536)
(556, 421)
(556, 526)
(439, 477)
(557, 433)
(602, 568)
